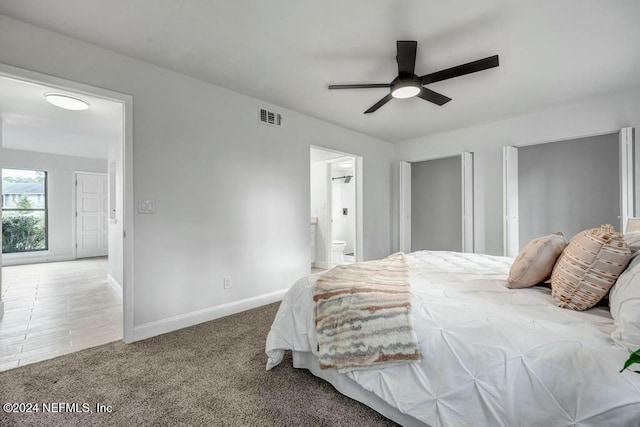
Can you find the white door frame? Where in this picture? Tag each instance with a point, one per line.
(126, 101)
(358, 175)
(74, 209)
(466, 190)
(510, 185)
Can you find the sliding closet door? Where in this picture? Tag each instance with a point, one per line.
(436, 204)
(568, 186)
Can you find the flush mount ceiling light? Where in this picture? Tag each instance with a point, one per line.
(345, 165)
(67, 102)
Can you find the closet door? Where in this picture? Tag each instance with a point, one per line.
(510, 201)
(627, 187)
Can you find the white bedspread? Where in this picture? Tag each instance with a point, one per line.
(491, 356)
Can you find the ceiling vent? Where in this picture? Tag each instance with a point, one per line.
(270, 118)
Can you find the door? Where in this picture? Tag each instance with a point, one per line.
(91, 215)
(405, 207)
(510, 201)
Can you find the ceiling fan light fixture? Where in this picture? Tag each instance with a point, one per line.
(67, 102)
(405, 92)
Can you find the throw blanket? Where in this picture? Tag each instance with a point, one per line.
(363, 315)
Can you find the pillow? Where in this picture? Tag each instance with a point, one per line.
(588, 268)
(632, 239)
(535, 262)
(624, 301)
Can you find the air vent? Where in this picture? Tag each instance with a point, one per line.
(270, 118)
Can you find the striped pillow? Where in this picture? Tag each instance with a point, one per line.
(589, 267)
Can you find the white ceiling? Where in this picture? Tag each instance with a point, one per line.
(31, 123)
(287, 51)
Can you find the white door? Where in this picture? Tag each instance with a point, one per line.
(405, 207)
(510, 201)
(467, 201)
(627, 187)
(91, 215)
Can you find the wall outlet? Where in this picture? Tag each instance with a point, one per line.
(226, 282)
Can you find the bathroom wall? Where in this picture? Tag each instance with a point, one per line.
(344, 197)
(319, 209)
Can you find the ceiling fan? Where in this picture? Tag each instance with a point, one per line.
(408, 84)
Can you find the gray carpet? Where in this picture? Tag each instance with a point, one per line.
(209, 374)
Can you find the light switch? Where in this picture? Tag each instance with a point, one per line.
(147, 206)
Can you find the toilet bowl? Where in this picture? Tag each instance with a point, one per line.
(337, 251)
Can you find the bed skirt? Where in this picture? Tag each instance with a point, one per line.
(348, 387)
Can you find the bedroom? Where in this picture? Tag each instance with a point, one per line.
(253, 225)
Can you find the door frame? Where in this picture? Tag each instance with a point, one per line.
(359, 177)
(74, 209)
(466, 191)
(126, 150)
(626, 167)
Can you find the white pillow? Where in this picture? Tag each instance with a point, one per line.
(632, 239)
(624, 301)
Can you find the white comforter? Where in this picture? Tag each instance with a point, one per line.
(491, 356)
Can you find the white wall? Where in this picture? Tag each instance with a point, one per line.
(232, 194)
(319, 210)
(60, 186)
(596, 115)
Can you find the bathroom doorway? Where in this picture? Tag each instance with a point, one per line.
(336, 208)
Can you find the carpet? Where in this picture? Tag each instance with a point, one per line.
(209, 374)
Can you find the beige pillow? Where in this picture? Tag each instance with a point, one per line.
(588, 268)
(632, 239)
(535, 262)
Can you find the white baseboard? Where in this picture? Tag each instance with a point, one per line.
(174, 323)
(20, 259)
(114, 284)
(321, 264)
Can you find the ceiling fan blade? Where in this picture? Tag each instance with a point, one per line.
(431, 96)
(461, 70)
(362, 86)
(379, 104)
(406, 57)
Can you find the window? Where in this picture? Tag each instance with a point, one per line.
(24, 210)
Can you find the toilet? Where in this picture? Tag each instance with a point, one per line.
(337, 251)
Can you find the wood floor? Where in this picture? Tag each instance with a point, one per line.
(56, 308)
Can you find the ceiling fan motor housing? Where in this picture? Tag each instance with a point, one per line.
(405, 86)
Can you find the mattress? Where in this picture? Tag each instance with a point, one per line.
(490, 355)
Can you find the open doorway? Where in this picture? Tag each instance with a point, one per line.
(63, 217)
(568, 186)
(336, 208)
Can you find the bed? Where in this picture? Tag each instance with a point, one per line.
(490, 356)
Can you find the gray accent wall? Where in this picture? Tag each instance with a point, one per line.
(436, 204)
(568, 186)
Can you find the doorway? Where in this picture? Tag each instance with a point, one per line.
(436, 204)
(567, 186)
(99, 234)
(335, 208)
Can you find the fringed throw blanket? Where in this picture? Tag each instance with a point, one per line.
(363, 315)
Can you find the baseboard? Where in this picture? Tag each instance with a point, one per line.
(321, 264)
(8, 259)
(114, 284)
(174, 323)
